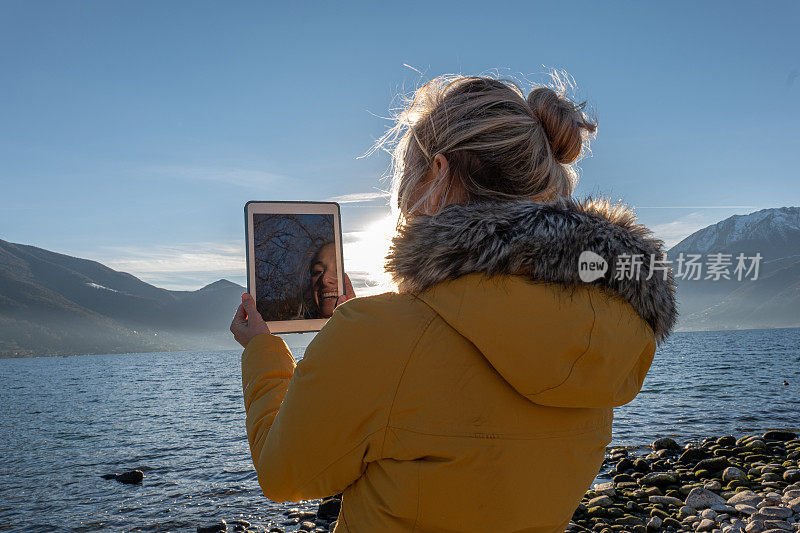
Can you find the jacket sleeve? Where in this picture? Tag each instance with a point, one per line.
(314, 427)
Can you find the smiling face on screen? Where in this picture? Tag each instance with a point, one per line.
(324, 280)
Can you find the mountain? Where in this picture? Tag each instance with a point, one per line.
(771, 300)
(54, 304)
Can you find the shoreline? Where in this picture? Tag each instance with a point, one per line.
(725, 484)
(719, 484)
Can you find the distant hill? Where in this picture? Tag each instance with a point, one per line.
(772, 300)
(53, 304)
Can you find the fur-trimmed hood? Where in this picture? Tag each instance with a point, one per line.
(543, 242)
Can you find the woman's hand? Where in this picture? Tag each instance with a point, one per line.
(348, 291)
(247, 322)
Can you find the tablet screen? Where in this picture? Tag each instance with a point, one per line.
(296, 265)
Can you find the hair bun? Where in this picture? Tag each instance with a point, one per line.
(563, 122)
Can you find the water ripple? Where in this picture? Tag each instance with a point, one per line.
(179, 417)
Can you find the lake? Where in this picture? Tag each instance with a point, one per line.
(179, 417)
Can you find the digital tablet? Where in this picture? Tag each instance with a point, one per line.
(294, 263)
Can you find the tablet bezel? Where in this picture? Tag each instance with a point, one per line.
(254, 207)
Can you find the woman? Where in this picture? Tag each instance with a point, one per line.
(320, 292)
(479, 396)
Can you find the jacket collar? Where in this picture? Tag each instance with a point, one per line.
(541, 241)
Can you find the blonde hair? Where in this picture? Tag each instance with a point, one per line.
(500, 144)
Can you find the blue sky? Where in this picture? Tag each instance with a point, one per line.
(134, 132)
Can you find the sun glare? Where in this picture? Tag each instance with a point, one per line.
(365, 254)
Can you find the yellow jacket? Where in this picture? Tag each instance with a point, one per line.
(477, 401)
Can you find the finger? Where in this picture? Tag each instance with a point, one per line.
(251, 309)
(249, 305)
(239, 318)
(241, 314)
(348, 287)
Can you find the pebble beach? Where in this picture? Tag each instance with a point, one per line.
(720, 484)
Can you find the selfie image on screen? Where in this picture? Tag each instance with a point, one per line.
(295, 266)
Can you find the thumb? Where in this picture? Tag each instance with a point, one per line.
(348, 288)
(249, 306)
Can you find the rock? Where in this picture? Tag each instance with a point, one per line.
(623, 478)
(762, 517)
(666, 443)
(671, 523)
(666, 500)
(605, 488)
(746, 509)
(692, 455)
(722, 508)
(654, 524)
(659, 478)
(216, 527)
(702, 498)
(653, 491)
(713, 485)
(779, 435)
(747, 497)
(601, 501)
(623, 465)
(702, 474)
(629, 521)
(714, 464)
(706, 525)
(596, 511)
(791, 476)
(777, 526)
(794, 505)
(307, 526)
(640, 465)
(656, 511)
(685, 511)
(776, 512)
(755, 526)
(734, 474)
(708, 513)
(617, 451)
(727, 441)
(131, 477)
(329, 509)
